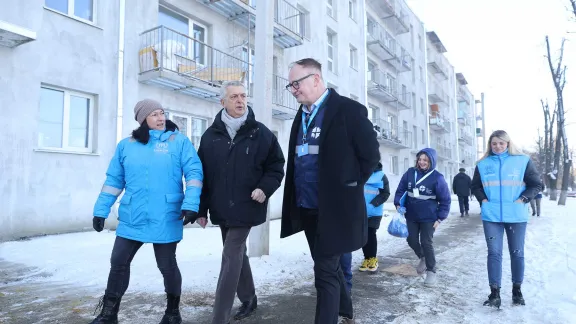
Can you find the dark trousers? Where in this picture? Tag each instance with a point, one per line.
(235, 273)
(463, 202)
(333, 298)
(371, 247)
(420, 240)
(122, 254)
(346, 265)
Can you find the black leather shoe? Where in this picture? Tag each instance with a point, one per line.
(246, 309)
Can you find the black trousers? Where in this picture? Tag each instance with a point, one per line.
(420, 239)
(122, 254)
(463, 202)
(333, 298)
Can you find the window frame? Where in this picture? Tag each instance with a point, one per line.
(191, 24)
(353, 57)
(352, 4)
(70, 11)
(330, 36)
(66, 122)
(189, 124)
(330, 10)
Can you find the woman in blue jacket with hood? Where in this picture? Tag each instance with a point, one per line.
(427, 205)
(148, 167)
(505, 180)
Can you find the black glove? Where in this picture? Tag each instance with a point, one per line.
(188, 216)
(377, 201)
(98, 223)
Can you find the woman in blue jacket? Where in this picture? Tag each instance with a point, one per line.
(148, 167)
(505, 180)
(427, 205)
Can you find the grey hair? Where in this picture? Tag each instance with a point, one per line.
(228, 84)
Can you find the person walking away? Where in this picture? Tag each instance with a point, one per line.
(505, 180)
(376, 192)
(148, 167)
(461, 188)
(243, 166)
(536, 202)
(321, 197)
(427, 205)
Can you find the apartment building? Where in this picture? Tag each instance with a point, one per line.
(466, 125)
(77, 67)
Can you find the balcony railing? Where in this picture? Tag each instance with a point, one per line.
(381, 42)
(286, 105)
(399, 19)
(463, 95)
(436, 94)
(384, 7)
(179, 62)
(439, 123)
(437, 66)
(405, 100)
(444, 152)
(382, 85)
(392, 135)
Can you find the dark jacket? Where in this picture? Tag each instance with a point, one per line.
(461, 184)
(423, 209)
(233, 169)
(349, 153)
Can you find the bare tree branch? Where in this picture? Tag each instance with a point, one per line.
(573, 3)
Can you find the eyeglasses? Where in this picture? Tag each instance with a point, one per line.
(296, 83)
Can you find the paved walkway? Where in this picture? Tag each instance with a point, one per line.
(378, 297)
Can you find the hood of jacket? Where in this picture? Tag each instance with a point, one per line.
(431, 153)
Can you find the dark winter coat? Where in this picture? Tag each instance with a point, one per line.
(233, 169)
(434, 198)
(461, 184)
(348, 154)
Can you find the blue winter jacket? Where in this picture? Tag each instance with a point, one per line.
(433, 201)
(151, 176)
(502, 180)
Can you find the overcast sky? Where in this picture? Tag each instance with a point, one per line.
(499, 46)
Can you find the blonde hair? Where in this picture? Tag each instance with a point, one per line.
(500, 134)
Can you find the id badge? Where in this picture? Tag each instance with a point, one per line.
(416, 192)
(303, 150)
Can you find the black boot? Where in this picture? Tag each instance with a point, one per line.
(467, 213)
(494, 298)
(172, 314)
(246, 309)
(110, 306)
(517, 298)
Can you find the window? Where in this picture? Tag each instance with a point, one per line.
(419, 42)
(371, 71)
(421, 74)
(413, 72)
(353, 57)
(330, 10)
(412, 36)
(352, 9)
(413, 106)
(406, 164)
(190, 126)
(331, 41)
(394, 164)
(65, 120)
(303, 22)
(194, 45)
(373, 113)
(423, 137)
(82, 9)
(422, 106)
(415, 138)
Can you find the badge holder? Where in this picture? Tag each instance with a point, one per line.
(303, 150)
(416, 192)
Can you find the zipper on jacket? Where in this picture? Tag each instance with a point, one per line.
(501, 207)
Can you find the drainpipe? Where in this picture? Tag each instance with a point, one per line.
(120, 89)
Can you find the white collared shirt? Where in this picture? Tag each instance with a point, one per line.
(317, 103)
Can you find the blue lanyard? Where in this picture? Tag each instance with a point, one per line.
(304, 125)
(421, 179)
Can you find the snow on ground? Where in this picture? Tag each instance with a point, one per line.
(549, 281)
(550, 278)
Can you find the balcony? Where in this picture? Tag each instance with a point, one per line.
(437, 66)
(436, 94)
(444, 152)
(12, 36)
(290, 25)
(398, 20)
(383, 7)
(463, 118)
(285, 105)
(465, 138)
(405, 101)
(391, 135)
(380, 42)
(382, 86)
(402, 61)
(463, 95)
(177, 62)
(439, 123)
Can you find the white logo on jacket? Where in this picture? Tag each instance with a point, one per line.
(161, 147)
(316, 132)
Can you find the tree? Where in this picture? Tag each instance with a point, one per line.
(573, 3)
(546, 157)
(559, 79)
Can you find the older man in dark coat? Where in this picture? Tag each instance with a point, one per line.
(332, 152)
